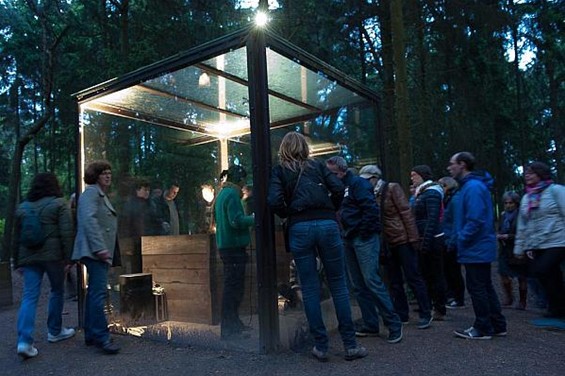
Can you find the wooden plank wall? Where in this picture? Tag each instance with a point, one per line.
(190, 269)
(181, 264)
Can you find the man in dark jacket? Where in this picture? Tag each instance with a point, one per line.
(360, 220)
(474, 233)
(399, 232)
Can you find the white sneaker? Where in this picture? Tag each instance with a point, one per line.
(27, 351)
(64, 334)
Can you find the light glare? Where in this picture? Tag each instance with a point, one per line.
(261, 19)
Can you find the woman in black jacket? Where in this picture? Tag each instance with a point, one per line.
(51, 258)
(306, 193)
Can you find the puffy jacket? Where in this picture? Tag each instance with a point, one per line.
(544, 227)
(57, 225)
(317, 195)
(359, 213)
(232, 225)
(473, 225)
(399, 225)
(427, 211)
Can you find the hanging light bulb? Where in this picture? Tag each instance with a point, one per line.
(204, 80)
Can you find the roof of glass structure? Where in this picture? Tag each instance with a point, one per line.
(205, 90)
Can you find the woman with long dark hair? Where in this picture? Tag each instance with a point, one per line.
(305, 192)
(50, 256)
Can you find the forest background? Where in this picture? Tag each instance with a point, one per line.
(485, 76)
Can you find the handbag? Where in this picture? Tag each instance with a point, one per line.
(284, 224)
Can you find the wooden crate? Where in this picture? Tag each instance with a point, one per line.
(182, 264)
(191, 271)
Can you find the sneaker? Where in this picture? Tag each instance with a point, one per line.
(455, 305)
(109, 347)
(502, 333)
(356, 353)
(395, 336)
(425, 323)
(438, 316)
(471, 333)
(63, 334)
(366, 332)
(27, 351)
(322, 356)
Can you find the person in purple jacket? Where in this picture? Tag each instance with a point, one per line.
(474, 233)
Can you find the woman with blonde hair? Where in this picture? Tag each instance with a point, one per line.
(307, 194)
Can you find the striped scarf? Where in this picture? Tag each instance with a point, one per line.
(534, 194)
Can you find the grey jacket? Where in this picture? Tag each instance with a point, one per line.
(97, 224)
(57, 225)
(545, 226)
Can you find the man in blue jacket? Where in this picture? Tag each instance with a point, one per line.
(360, 219)
(474, 234)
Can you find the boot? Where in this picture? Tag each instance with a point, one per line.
(507, 288)
(523, 289)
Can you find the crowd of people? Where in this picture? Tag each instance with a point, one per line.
(427, 240)
(338, 221)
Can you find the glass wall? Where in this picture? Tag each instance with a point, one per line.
(183, 127)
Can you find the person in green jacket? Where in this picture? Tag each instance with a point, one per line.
(52, 257)
(232, 239)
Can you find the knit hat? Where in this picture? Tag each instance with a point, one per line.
(424, 171)
(370, 171)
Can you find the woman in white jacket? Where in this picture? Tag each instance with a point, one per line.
(541, 233)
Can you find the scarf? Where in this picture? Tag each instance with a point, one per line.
(507, 220)
(534, 194)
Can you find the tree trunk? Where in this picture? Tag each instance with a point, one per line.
(401, 109)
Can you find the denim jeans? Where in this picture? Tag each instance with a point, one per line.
(488, 315)
(307, 239)
(403, 264)
(234, 260)
(33, 275)
(362, 257)
(95, 322)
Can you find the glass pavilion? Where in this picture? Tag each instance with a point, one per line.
(187, 118)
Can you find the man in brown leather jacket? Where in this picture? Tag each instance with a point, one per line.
(399, 233)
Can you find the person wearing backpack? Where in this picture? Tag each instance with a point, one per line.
(43, 245)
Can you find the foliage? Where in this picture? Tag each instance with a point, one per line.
(464, 90)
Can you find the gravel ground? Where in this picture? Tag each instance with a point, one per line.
(526, 350)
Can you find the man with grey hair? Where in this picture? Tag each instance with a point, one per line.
(360, 220)
(399, 233)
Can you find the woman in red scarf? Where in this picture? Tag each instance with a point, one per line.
(541, 233)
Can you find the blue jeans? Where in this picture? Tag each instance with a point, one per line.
(488, 315)
(33, 275)
(234, 260)
(95, 322)
(403, 258)
(323, 237)
(362, 257)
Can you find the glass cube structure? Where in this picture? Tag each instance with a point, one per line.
(187, 118)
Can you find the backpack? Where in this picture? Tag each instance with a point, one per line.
(32, 235)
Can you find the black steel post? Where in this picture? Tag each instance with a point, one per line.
(264, 224)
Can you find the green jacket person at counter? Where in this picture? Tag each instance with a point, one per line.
(232, 238)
